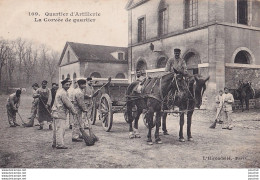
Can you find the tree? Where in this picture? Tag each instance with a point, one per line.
(29, 61)
(20, 50)
(52, 64)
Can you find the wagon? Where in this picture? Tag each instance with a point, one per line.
(110, 100)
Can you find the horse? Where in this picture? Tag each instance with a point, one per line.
(150, 101)
(245, 92)
(197, 87)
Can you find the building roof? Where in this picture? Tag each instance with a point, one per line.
(134, 3)
(89, 52)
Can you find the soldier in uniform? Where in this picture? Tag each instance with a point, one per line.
(62, 105)
(44, 95)
(13, 103)
(228, 100)
(71, 97)
(80, 107)
(178, 64)
(53, 92)
(219, 104)
(140, 78)
(88, 93)
(34, 109)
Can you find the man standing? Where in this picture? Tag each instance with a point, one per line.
(62, 105)
(88, 93)
(53, 92)
(44, 95)
(34, 108)
(219, 106)
(13, 103)
(228, 100)
(80, 107)
(71, 91)
(176, 63)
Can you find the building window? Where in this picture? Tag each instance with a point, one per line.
(191, 13)
(62, 77)
(163, 21)
(74, 76)
(161, 62)
(121, 56)
(68, 56)
(242, 12)
(242, 57)
(68, 75)
(141, 65)
(141, 29)
(95, 75)
(120, 76)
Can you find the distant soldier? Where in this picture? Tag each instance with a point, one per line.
(53, 92)
(71, 91)
(228, 100)
(34, 109)
(80, 107)
(44, 95)
(88, 93)
(13, 103)
(62, 105)
(219, 106)
(140, 78)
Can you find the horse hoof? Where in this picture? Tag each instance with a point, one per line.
(181, 140)
(131, 135)
(159, 142)
(190, 139)
(137, 136)
(166, 133)
(150, 143)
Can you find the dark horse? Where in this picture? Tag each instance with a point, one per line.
(245, 92)
(197, 87)
(150, 100)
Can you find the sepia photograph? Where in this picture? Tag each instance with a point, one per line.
(129, 84)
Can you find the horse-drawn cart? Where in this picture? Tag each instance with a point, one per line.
(110, 100)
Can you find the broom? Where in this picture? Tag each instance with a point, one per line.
(21, 118)
(213, 125)
(89, 140)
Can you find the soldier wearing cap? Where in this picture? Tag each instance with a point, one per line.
(34, 109)
(140, 78)
(62, 105)
(176, 63)
(44, 95)
(80, 107)
(71, 91)
(228, 100)
(88, 93)
(13, 103)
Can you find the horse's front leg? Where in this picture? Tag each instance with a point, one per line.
(136, 133)
(247, 103)
(130, 120)
(242, 104)
(149, 116)
(164, 116)
(189, 119)
(181, 138)
(157, 124)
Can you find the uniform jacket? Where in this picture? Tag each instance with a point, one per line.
(178, 64)
(35, 99)
(42, 93)
(62, 105)
(79, 102)
(88, 93)
(13, 102)
(219, 100)
(228, 100)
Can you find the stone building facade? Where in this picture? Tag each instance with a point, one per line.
(85, 60)
(218, 38)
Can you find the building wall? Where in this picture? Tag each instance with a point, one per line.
(73, 57)
(104, 69)
(70, 69)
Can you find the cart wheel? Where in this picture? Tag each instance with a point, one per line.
(134, 113)
(93, 112)
(105, 112)
(143, 115)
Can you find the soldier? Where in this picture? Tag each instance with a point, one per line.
(228, 100)
(219, 102)
(140, 78)
(88, 94)
(44, 95)
(13, 103)
(176, 63)
(60, 109)
(71, 97)
(80, 107)
(34, 108)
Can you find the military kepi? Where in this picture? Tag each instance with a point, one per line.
(65, 81)
(177, 50)
(81, 81)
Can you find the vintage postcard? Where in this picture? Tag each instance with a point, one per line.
(129, 84)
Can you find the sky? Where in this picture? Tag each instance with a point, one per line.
(110, 28)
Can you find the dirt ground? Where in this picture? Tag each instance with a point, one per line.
(218, 148)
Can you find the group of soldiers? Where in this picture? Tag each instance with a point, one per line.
(54, 105)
